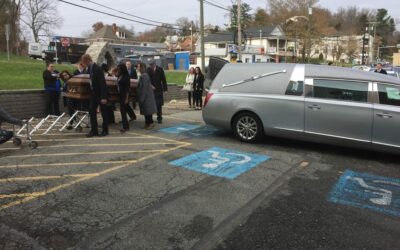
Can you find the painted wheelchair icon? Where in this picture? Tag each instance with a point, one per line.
(221, 162)
(377, 193)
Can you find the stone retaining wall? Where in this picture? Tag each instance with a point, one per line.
(28, 103)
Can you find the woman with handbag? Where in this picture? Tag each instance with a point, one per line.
(189, 86)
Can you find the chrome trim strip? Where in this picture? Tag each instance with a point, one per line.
(298, 73)
(290, 129)
(253, 78)
(375, 87)
(339, 137)
(386, 144)
(309, 81)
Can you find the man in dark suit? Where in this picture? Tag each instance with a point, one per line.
(132, 75)
(159, 82)
(98, 96)
(379, 69)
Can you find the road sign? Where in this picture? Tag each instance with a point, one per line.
(221, 162)
(179, 129)
(377, 193)
(65, 42)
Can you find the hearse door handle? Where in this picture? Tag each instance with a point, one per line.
(384, 115)
(314, 107)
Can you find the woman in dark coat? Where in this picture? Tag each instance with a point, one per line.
(198, 87)
(145, 92)
(123, 81)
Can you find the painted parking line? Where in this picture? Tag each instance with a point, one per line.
(362, 190)
(221, 162)
(77, 178)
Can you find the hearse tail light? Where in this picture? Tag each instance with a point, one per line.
(208, 97)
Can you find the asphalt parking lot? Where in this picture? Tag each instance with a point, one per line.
(184, 185)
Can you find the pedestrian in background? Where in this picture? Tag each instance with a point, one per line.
(379, 69)
(52, 87)
(80, 69)
(189, 86)
(110, 104)
(159, 82)
(198, 87)
(133, 75)
(98, 95)
(71, 103)
(123, 83)
(147, 102)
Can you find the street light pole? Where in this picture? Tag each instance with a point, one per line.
(202, 52)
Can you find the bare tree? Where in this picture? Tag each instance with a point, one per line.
(40, 16)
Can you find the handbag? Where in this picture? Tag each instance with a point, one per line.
(187, 87)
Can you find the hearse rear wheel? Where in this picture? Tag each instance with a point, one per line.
(247, 127)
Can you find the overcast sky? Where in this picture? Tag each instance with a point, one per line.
(77, 20)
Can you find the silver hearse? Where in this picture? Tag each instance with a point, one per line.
(310, 102)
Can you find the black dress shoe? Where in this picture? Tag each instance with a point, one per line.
(92, 133)
(103, 133)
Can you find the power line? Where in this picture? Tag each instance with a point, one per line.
(216, 5)
(120, 17)
(128, 14)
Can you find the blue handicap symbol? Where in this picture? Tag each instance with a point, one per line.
(179, 129)
(377, 193)
(202, 131)
(220, 162)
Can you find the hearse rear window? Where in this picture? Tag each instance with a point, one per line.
(340, 90)
(389, 94)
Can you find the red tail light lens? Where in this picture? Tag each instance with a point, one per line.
(208, 97)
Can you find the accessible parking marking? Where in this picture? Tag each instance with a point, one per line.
(362, 190)
(221, 162)
(179, 129)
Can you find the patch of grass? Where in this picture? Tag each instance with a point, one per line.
(178, 77)
(25, 73)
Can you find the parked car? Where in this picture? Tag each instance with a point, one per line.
(362, 67)
(310, 102)
(393, 73)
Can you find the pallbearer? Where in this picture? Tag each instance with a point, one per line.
(98, 95)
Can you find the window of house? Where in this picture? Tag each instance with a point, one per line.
(295, 88)
(118, 51)
(221, 45)
(389, 94)
(340, 90)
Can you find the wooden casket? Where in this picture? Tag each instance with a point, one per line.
(78, 87)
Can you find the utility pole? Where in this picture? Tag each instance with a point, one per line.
(363, 49)
(239, 24)
(7, 31)
(309, 30)
(202, 53)
(191, 37)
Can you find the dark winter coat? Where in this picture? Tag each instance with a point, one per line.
(159, 83)
(98, 82)
(147, 103)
